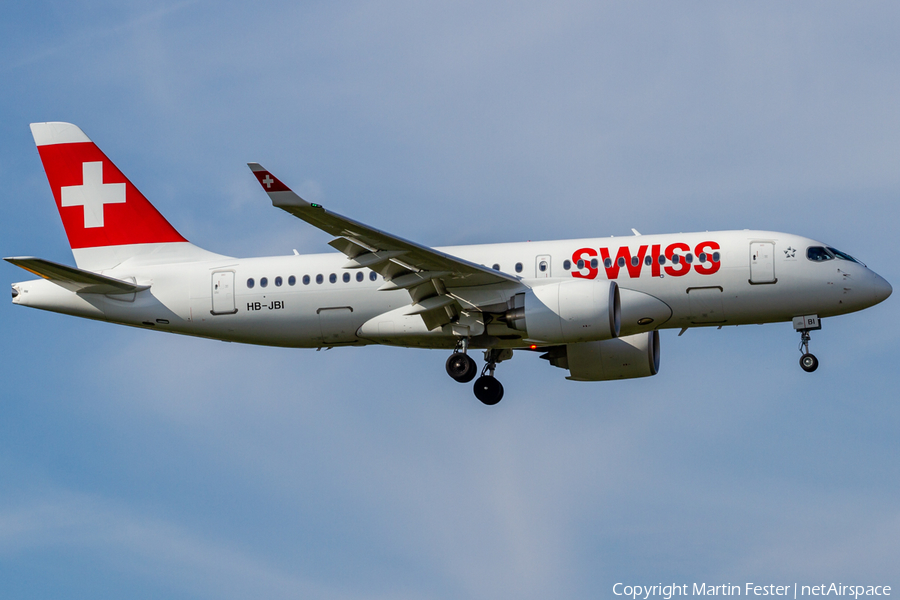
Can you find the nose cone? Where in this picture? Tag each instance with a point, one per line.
(882, 288)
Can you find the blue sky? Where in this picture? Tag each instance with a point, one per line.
(134, 464)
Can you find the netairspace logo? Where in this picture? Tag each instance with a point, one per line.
(667, 592)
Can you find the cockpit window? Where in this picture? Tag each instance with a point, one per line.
(818, 254)
(843, 255)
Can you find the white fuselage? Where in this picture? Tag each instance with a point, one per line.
(759, 277)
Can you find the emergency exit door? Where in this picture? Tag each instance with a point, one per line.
(762, 262)
(223, 293)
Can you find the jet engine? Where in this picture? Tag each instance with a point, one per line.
(626, 357)
(567, 312)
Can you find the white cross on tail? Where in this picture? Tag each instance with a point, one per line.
(93, 194)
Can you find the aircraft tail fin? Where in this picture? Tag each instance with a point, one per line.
(106, 218)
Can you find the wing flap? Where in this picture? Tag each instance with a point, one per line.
(75, 280)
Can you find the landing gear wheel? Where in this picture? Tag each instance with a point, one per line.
(809, 363)
(488, 390)
(461, 368)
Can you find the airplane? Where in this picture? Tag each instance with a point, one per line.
(593, 307)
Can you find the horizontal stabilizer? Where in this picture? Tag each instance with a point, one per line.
(75, 280)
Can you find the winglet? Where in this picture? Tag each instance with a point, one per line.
(280, 194)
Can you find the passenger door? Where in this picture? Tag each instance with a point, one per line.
(762, 262)
(223, 293)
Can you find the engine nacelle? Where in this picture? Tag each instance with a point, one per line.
(567, 312)
(622, 358)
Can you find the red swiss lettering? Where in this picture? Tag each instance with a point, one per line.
(654, 255)
(624, 253)
(580, 254)
(682, 268)
(635, 263)
(708, 248)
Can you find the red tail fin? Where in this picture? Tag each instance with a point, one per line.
(98, 205)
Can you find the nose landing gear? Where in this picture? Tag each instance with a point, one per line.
(808, 361)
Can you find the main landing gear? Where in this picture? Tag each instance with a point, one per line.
(463, 369)
(487, 388)
(808, 361)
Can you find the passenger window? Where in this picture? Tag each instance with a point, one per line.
(635, 261)
(689, 258)
(359, 275)
(319, 278)
(292, 280)
(648, 260)
(621, 261)
(250, 283)
(702, 257)
(661, 260)
(496, 267)
(716, 256)
(263, 282)
(373, 276)
(332, 278)
(676, 259)
(518, 267)
(580, 263)
(818, 254)
(346, 277)
(306, 280)
(567, 264)
(278, 281)
(594, 263)
(542, 267)
(607, 262)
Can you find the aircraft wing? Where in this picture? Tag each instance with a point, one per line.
(425, 272)
(75, 280)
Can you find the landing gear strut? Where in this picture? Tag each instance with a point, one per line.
(460, 365)
(487, 388)
(808, 361)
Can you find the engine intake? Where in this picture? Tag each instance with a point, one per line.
(567, 312)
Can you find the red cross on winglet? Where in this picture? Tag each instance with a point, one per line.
(269, 182)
